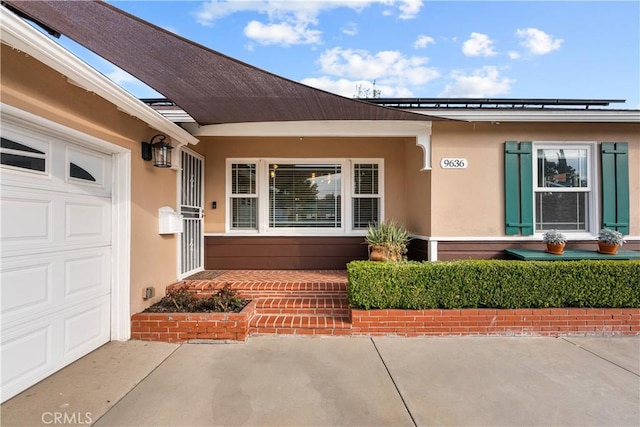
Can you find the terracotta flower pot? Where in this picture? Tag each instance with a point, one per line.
(377, 253)
(607, 248)
(555, 248)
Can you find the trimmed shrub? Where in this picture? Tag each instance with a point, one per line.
(494, 284)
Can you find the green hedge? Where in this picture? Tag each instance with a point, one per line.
(494, 284)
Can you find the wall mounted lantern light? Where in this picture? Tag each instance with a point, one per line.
(159, 152)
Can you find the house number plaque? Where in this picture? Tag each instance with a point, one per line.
(454, 163)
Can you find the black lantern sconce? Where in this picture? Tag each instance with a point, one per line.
(159, 152)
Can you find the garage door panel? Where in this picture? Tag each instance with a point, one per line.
(27, 287)
(39, 286)
(26, 357)
(37, 221)
(25, 220)
(37, 348)
(87, 220)
(87, 275)
(86, 327)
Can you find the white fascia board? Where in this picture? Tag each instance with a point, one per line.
(419, 130)
(311, 128)
(15, 32)
(542, 115)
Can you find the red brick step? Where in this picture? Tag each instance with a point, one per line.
(299, 325)
(329, 306)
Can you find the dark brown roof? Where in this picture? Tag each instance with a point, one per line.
(211, 87)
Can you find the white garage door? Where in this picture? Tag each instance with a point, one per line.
(56, 209)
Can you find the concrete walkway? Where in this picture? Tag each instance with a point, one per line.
(291, 381)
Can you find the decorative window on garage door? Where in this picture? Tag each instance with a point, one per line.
(84, 166)
(31, 155)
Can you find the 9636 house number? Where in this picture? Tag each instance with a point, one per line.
(454, 163)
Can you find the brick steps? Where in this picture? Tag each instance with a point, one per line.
(287, 302)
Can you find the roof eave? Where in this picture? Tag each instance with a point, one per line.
(542, 115)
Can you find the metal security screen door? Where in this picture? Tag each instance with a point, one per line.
(191, 201)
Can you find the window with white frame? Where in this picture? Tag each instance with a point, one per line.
(366, 195)
(284, 195)
(244, 196)
(563, 187)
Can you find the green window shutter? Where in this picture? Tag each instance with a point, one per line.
(518, 188)
(614, 157)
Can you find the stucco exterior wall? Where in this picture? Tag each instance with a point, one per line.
(218, 149)
(31, 86)
(470, 202)
(418, 190)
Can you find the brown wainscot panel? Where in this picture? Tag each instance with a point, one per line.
(282, 253)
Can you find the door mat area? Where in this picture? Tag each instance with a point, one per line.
(205, 275)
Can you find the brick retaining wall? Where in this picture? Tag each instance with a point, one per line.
(546, 322)
(181, 327)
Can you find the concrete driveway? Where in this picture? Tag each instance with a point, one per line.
(291, 381)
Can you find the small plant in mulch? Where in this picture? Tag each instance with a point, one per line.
(181, 300)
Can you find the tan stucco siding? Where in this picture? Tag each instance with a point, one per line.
(470, 202)
(218, 149)
(31, 86)
(418, 191)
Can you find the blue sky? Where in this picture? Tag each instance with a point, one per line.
(416, 48)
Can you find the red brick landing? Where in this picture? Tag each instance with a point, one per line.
(315, 303)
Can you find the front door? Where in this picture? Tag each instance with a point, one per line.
(191, 203)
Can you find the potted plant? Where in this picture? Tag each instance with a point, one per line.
(609, 240)
(555, 241)
(387, 241)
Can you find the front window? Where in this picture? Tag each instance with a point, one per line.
(305, 196)
(308, 196)
(563, 188)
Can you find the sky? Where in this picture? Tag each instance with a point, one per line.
(415, 48)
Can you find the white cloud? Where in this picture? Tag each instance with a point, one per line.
(478, 45)
(514, 55)
(480, 83)
(409, 8)
(349, 88)
(288, 17)
(120, 77)
(282, 33)
(537, 42)
(350, 29)
(423, 41)
(388, 65)
(395, 74)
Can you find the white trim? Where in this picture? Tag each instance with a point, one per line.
(121, 202)
(262, 195)
(17, 33)
(592, 188)
(432, 250)
(542, 115)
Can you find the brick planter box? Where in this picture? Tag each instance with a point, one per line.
(546, 322)
(182, 327)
